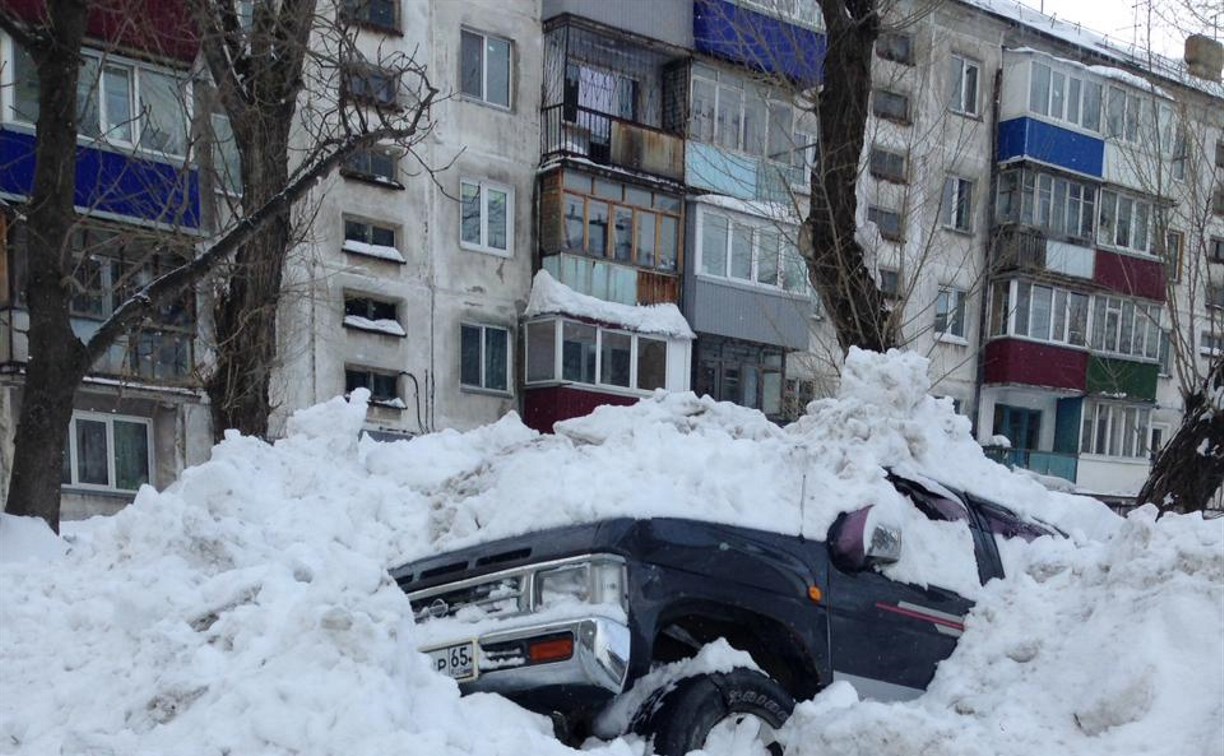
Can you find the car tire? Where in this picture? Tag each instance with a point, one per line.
(682, 718)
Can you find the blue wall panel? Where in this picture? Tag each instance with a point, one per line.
(762, 42)
(722, 171)
(111, 182)
(1028, 137)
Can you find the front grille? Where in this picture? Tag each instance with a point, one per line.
(501, 595)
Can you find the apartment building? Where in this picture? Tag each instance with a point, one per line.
(138, 418)
(618, 213)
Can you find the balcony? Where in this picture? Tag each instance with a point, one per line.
(578, 132)
(1058, 465)
(1018, 247)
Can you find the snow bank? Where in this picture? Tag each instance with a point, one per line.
(247, 609)
(1111, 648)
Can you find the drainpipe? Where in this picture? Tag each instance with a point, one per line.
(984, 313)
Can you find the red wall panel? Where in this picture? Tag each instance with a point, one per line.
(1131, 276)
(544, 406)
(1036, 364)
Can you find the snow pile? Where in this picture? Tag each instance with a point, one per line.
(247, 609)
(1113, 648)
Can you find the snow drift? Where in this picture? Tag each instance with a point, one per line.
(247, 609)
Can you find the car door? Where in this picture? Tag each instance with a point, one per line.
(886, 637)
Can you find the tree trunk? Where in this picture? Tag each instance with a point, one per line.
(245, 313)
(1190, 468)
(57, 360)
(836, 261)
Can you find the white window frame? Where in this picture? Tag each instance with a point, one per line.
(483, 328)
(1130, 130)
(109, 420)
(1059, 328)
(137, 70)
(1139, 319)
(483, 97)
(483, 245)
(958, 103)
(787, 270)
(957, 189)
(1070, 82)
(1102, 417)
(955, 299)
(803, 149)
(1112, 199)
(558, 325)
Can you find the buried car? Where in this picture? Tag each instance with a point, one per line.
(564, 621)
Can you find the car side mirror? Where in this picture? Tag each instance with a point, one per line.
(858, 540)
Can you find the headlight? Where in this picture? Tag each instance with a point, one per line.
(594, 581)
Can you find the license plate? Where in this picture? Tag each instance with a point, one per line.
(457, 661)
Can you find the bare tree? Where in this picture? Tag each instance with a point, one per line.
(261, 70)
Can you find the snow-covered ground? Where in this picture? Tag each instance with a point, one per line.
(247, 609)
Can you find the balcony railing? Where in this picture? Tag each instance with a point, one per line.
(568, 130)
(1020, 248)
(1064, 466)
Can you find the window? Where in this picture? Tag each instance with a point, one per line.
(371, 85)
(484, 357)
(117, 101)
(379, 14)
(1122, 326)
(887, 165)
(1043, 313)
(383, 385)
(1064, 97)
(371, 239)
(957, 210)
(1219, 153)
(1180, 157)
(888, 221)
(1114, 429)
(629, 224)
(890, 105)
(890, 283)
(377, 164)
(950, 312)
(964, 85)
(747, 374)
(1217, 200)
(107, 452)
(485, 68)
(1174, 241)
(1122, 114)
(1215, 296)
(733, 113)
(896, 47)
(1216, 251)
(1125, 222)
(1166, 353)
(1060, 206)
(226, 163)
(371, 314)
(759, 253)
(1211, 344)
(486, 221)
(595, 355)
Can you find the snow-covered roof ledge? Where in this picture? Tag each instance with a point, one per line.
(551, 297)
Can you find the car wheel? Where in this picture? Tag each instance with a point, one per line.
(736, 712)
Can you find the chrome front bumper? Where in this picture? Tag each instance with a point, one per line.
(600, 658)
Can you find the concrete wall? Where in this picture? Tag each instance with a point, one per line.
(440, 284)
(670, 21)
